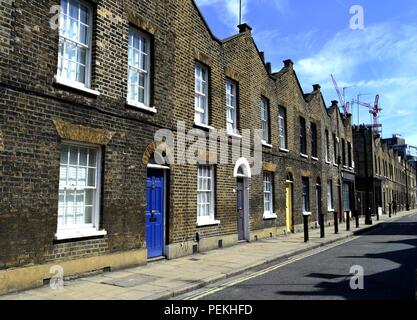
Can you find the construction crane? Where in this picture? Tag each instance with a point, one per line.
(345, 105)
(374, 111)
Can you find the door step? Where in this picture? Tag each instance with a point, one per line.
(156, 259)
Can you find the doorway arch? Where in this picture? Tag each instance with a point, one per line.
(242, 173)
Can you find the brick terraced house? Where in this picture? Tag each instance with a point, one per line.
(87, 184)
(382, 175)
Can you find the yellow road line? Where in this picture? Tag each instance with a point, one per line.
(268, 270)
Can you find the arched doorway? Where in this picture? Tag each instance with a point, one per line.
(289, 183)
(242, 173)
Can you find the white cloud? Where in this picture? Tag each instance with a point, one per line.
(378, 60)
(228, 10)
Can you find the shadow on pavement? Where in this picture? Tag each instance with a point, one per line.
(394, 284)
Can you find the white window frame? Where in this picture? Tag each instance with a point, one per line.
(265, 120)
(330, 196)
(268, 191)
(282, 123)
(327, 146)
(305, 199)
(209, 219)
(89, 39)
(231, 105)
(203, 80)
(303, 137)
(83, 230)
(133, 32)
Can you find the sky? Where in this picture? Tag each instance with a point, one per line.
(379, 57)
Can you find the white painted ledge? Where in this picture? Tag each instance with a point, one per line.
(208, 223)
(75, 85)
(270, 216)
(79, 233)
(140, 105)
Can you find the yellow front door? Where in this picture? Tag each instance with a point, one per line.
(288, 191)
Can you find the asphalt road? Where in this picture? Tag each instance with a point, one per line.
(388, 256)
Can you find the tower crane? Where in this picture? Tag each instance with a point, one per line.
(374, 111)
(345, 104)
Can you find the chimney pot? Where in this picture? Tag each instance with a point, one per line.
(288, 63)
(244, 27)
(335, 103)
(316, 87)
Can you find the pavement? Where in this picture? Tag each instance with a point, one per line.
(166, 279)
(385, 259)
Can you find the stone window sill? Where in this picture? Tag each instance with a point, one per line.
(267, 145)
(140, 105)
(204, 126)
(75, 85)
(79, 233)
(234, 135)
(284, 150)
(304, 155)
(315, 159)
(208, 223)
(270, 216)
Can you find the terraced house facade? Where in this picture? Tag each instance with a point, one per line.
(383, 175)
(108, 120)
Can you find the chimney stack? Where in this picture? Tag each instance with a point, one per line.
(269, 67)
(335, 103)
(316, 87)
(288, 63)
(244, 27)
(262, 54)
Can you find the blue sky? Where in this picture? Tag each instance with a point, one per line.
(316, 35)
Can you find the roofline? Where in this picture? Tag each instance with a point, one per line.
(205, 23)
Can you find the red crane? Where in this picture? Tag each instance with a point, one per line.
(345, 105)
(374, 111)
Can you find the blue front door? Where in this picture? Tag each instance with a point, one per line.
(155, 213)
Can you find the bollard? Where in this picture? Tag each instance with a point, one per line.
(347, 221)
(357, 219)
(322, 228)
(306, 235)
(336, 223)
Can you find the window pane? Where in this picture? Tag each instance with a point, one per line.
(91, 177)
(83, 14)
(92, 158)
(64, 155)
(89, 197)
(88, 215)
(81, 177)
